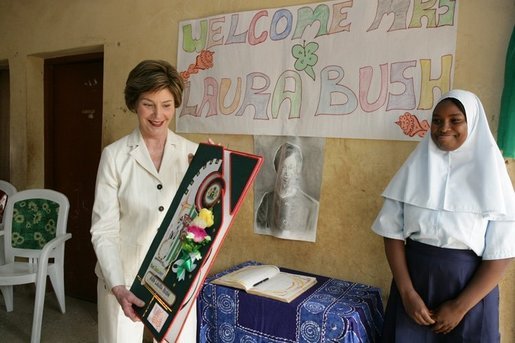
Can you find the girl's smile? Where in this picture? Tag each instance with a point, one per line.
(448, 126)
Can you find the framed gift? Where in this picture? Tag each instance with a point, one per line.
(191, 235)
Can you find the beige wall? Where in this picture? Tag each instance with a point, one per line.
(355, 171)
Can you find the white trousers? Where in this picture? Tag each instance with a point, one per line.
(115, 327)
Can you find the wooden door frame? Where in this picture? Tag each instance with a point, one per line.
(5, 172)
(67, 88)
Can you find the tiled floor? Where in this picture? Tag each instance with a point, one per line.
(77, 325)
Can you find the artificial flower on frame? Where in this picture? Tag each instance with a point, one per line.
(193, 238)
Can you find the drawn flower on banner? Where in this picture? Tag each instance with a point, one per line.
(305, 57)
(411, 126)
(194, 237)
(203, 61)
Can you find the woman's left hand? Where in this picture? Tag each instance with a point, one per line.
(447, 317)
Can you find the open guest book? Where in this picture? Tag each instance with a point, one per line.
(267, 281)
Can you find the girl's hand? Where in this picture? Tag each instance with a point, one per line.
(487, 276)
(416, 308)
(126, 299)
(447, 317)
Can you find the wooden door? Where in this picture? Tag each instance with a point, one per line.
(73, 133)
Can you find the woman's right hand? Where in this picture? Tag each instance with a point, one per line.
(416, 308)
(126, 299)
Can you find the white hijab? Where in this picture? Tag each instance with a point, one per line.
(472, 178)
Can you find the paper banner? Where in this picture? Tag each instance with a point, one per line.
(346, 69)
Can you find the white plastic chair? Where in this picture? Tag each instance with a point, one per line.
(35, 223)
(6, 190)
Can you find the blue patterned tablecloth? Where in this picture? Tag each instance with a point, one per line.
(331, 311)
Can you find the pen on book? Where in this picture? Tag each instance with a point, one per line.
(260, 282)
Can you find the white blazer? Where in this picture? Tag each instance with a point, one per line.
(131, 200)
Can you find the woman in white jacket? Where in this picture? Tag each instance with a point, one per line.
(137, 178)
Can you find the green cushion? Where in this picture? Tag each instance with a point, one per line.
(34, 223)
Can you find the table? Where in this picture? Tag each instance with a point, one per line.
(331, 311)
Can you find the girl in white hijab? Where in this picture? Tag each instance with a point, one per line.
(448, 222)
